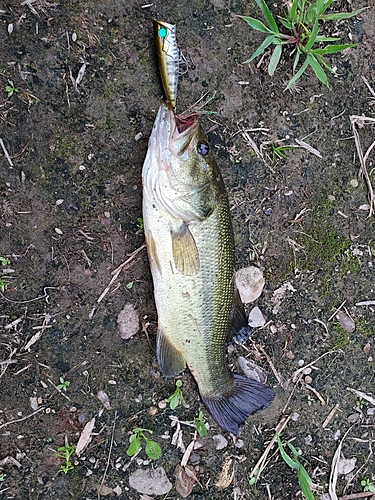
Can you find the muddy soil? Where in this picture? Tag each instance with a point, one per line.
(79, 90)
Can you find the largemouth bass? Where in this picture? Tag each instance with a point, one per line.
(191, 252)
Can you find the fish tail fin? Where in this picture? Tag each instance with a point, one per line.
(246, 397)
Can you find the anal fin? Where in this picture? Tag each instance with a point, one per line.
(246, 397)
(170, 359)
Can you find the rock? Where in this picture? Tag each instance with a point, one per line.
(128, 321)
(104, 490)
(354, 418)
(150, 481)
(251, 370)
(256, 318)
(250, 283)
(220, 441)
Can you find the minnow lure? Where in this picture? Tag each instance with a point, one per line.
(168, 58)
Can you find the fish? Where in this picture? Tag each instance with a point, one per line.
(168, 56)
(190, 247)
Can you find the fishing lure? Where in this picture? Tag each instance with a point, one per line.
(168, 58)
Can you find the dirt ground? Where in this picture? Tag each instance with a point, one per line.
(75, 122)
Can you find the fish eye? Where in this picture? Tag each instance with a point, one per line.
(203, 148)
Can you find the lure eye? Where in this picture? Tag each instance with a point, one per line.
(162, 32)
(203, 148)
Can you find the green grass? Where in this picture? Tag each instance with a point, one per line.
(304, 479)
(300, 27)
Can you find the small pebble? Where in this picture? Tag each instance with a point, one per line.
(256, 318)
(112, 382)
(220, 441)
(267, 211)
(92, 460)
(307, 371)
(308, 379)
(353, 418)
(301, 362)
(153, 410)
(308, 439)
(239, 443)
(162, 404)
(370, 411)
(138, 398)
(295, 416)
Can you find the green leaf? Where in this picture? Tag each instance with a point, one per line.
(153, 450)
(293, 10)
(201, 428)
(328, 3)
(320, 7)
(318, 70)
(332, 49)
(292, 464)
(321, 38)
(261, 48)
(285, 22)
(313, 36)
(268, 16)
(305, 482)
(174, 400)
(134, 447)
(342, 15)
(256, 24)
(274, 61)
(299, 73)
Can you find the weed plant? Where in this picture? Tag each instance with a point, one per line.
(302, 23)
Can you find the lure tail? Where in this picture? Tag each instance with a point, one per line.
(246, 397)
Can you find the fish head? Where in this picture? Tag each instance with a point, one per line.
(182, 170)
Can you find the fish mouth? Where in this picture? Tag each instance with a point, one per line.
(177, 129)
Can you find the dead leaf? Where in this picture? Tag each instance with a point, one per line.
(103, 397)
(85, 437)
(346, 465)
(346, 322)
(226, 476)
(185, 480)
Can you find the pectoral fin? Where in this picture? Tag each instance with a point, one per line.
(170, 359)
(185, 251)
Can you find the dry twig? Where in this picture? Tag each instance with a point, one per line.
(359, 122)
(261, 464)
